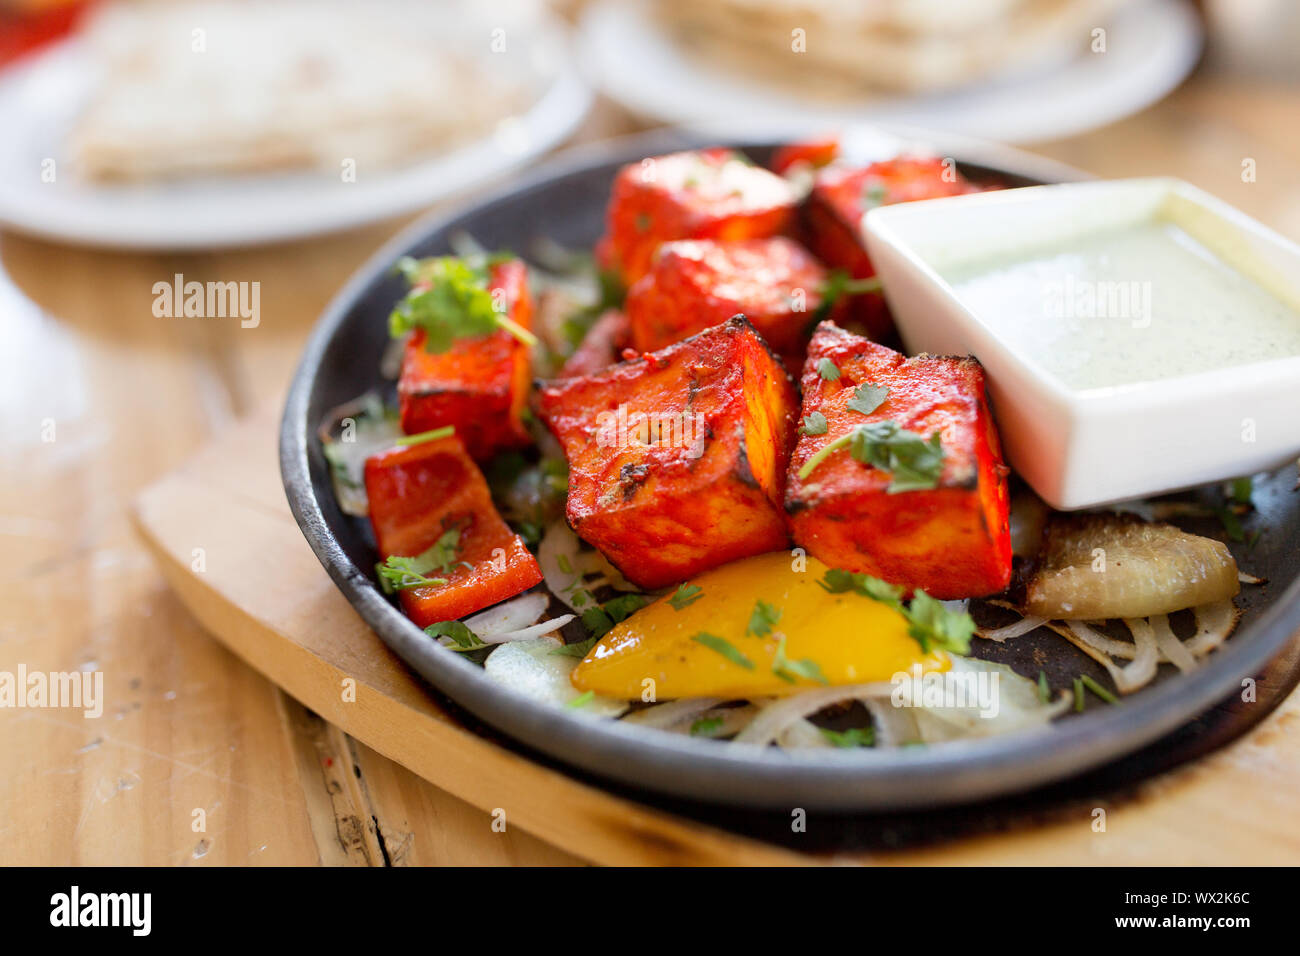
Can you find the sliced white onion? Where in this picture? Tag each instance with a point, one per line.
(531, 669)
(1170, 646)
(668, 716)
(803, 734)
(528, 633)
(1143, 669)
(1090, 642)
(1093, 642)
(593, 562)
(894, 726)
(734, 720)
(1214, 622)
(776, 717)
(510, 615)
(1023, 626)
(559, 546)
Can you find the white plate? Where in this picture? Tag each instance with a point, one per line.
(1151, 47)
(40, 99)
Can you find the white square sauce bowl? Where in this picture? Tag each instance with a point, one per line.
(1140, 336)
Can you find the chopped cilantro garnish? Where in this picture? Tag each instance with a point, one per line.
(814, 424)
(706, 726)
(582, 700)
(762, 619)
(914, 462)
(788, 670)
(828, 370)
(419, 438)
(867, 398)
(397, 573)
(1078, 695)
(599, 620)
(463, 639)
(930, 623)
(449, 299)
(1044, 691)
(723, 647)
(1097, 689)
(579, 649)
(1242, 490)
(1231, 524)
(854, 737)
(840, 283)
(685, 596)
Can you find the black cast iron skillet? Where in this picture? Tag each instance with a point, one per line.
(565, 201)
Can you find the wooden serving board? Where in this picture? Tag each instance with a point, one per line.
(220, 529)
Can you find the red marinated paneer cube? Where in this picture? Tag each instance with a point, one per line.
(677, 458)
(951, 536)
(480, 384)
(705, 194)
(433, 491)
(697, 283)
(842, 195)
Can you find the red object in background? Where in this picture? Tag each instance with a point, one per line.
(952, 540)
(479, 385)
(419, 493)
(842, 195)
(24, 32)
(815, 153)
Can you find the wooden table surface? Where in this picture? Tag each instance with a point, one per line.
(189, 727)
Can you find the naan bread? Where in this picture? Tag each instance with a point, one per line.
(224, 86)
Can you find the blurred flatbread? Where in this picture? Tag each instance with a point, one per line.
(224, 86)
(855, 47)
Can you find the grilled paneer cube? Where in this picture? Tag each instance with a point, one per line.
(480, 384)
(432, 496)
(842, 195)
(706, 194)
(887, 502)
(677, 458)
(697, 283)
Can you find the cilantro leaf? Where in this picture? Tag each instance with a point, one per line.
(579, 649)
(601, 619)
(814, 424)
(706, 726)
(828, 370)
(685, 596)
(853, 737)
(867, 398)
(915, 463)
(762, 619)
(723, 647)
(398, 573)
(930, 623)
(449, 299)
(789, 670)
(463, 639)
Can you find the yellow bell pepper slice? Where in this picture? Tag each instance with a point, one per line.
(704, 650)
